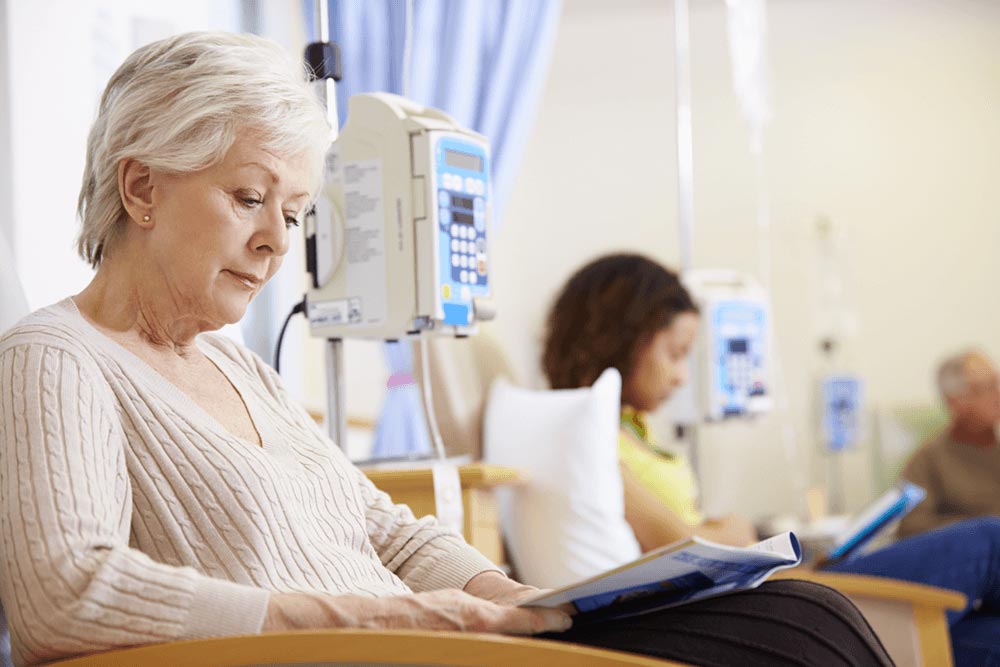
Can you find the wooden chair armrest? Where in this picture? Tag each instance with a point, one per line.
(390, 647)
(882, 587)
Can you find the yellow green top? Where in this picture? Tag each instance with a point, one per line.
(667, 475)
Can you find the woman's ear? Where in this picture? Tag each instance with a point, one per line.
(135, 186)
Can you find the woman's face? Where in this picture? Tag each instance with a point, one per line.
(660, 366)
(219, 234)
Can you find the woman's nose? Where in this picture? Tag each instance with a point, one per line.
(273, 237)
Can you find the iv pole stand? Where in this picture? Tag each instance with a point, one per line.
(323, 58)
(685, 188)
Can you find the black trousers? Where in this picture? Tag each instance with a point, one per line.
(782, 622)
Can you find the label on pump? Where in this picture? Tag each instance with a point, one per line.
(364, 252)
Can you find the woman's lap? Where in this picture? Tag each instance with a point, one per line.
(780, 623)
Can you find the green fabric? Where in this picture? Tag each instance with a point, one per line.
(918, 423)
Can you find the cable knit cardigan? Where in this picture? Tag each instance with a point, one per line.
(128, 515)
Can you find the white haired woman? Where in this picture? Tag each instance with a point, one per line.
(156, 481)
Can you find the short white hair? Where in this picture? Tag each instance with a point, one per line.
(178, 105)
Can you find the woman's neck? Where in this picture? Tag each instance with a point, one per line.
(122, 302)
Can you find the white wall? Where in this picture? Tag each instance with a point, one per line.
(6, 207)
(885, 121)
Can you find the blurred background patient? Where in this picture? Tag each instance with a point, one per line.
(960, 466)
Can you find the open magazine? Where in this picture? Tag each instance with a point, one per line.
(678, 573)
(892, 505)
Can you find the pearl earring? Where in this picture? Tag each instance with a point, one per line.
(145, 218)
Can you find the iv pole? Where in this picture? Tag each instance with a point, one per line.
(685, 188)
(323, 58)
(685, 156)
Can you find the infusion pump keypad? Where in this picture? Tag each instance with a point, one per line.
(462, 214)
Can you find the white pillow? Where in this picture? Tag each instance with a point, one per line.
(567, 522)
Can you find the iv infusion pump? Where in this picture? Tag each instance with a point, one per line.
(736, 344)
(398, 241)
(733, 351)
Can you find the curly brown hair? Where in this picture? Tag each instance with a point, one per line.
(605, 313)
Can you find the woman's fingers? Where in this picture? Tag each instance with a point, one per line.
(535, 620)
(455, 610)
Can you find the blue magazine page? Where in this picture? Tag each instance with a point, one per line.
(679, 573)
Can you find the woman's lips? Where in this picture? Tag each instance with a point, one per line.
(248, 280)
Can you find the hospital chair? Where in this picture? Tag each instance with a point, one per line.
(909, 618)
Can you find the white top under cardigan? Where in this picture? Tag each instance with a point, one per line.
(129, 515)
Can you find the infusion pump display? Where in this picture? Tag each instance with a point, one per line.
(737, 350)
(462, 186)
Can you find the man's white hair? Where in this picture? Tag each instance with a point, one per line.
(951, 374)
(178, 104)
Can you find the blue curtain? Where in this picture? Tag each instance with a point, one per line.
(481, 61)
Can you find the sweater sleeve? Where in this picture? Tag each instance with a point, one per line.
(69, 581)
(423, 553)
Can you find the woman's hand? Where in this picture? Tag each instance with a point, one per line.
(449, 609)
(499, 588)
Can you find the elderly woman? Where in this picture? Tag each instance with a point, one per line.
(156, 481)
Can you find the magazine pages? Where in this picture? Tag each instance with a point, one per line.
(679, 573)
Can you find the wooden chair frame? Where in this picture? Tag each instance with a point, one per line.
(352, 647)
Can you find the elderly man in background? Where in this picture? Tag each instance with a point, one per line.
(960, 467)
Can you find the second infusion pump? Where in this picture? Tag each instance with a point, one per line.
(733, 351)
(398, 241)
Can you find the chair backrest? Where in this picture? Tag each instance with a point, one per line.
(462, 371)
(13, 305)
(900, 429)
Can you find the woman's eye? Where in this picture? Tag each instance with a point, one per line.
(292, 221)
(251, 202)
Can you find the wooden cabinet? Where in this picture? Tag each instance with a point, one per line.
(415, 487)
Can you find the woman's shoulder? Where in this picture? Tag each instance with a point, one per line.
(51, 339)
(56, 326)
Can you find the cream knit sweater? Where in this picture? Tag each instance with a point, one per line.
(128, 515)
